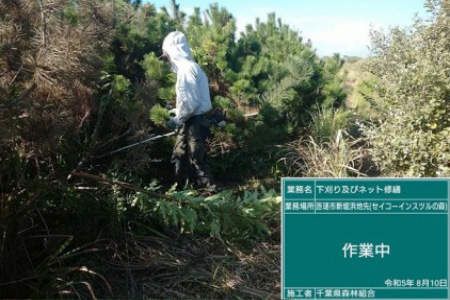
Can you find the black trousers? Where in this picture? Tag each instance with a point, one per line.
(190, 155)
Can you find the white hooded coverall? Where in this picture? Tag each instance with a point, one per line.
(193, 101)
(192, 87)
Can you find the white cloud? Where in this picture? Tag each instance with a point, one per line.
(243, 19)
(242, 22)
(328, 35)
(346, 37)
(189, 10)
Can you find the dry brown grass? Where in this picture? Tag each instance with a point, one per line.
(339, 157)
(192, 267)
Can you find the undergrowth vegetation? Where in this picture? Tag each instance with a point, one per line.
(80, 79)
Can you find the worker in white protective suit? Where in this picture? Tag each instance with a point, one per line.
(191, 125)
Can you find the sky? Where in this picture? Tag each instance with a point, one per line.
(334, 26)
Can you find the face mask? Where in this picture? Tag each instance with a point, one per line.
(168, 62)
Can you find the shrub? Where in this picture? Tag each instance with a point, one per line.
(413, 66)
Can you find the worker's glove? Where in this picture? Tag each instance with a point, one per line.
(171, 124)
(218, 118)
(222, 124)
(173, 112)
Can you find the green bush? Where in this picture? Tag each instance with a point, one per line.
(413, 66)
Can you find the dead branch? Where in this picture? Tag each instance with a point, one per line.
(19, 98)
(123, 185)
(257, 293)
(44, 25)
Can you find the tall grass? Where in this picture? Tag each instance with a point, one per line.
(327, 122)
(338, 157)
